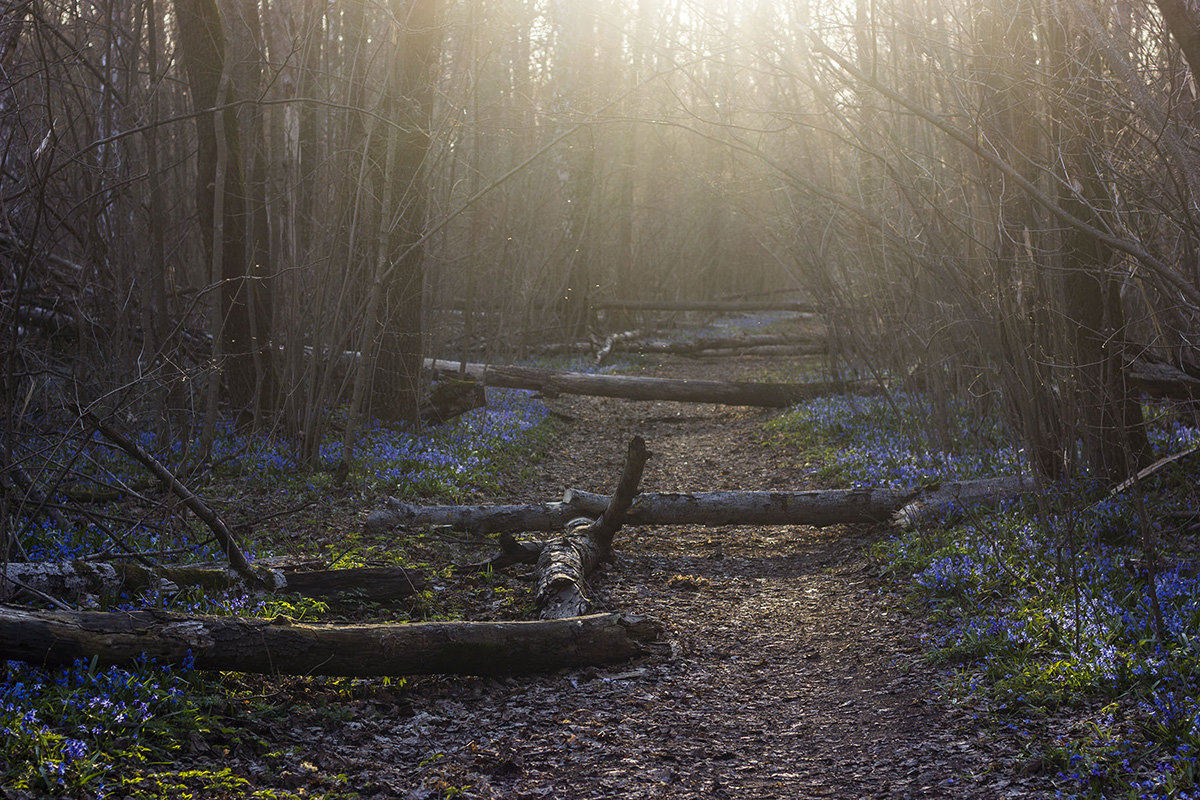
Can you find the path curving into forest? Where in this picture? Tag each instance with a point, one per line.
(794, 675)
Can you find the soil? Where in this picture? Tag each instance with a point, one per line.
(794, 672)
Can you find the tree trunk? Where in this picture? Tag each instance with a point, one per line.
(281, 646)
(396, 383)
(723, 306)
(201, 41)
(819, 507)
(770, 395)
(79, 579)
(565, 562)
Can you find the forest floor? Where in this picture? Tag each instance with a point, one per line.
(794, 672)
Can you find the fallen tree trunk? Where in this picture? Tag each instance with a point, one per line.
(281, 646)
(729, 306)
(473, 519)
(809, 349)
(700, 344)
(565, 562)
(1160, 379)
(819, 507)
(768, 395)
(87, 579)
(755, 344)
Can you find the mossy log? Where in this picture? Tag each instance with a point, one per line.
(282, 646)
(85, 580)
(550, 382)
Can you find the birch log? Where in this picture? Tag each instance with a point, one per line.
(565, 562)
(818, 507)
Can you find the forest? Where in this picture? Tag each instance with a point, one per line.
(599, 398)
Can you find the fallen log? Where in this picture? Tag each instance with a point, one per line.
(702, 343)
(724, 306)
(768, 395)
(614, 342)
(87, 580)
(1163, 380)
(281, 646)
(473, 519)
(818, 507)
(774, 350)
(565, 562)
(754, 344)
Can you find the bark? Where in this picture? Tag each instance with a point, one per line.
(220, 199)
(473, 519)
(281, 646)
(1184, 25)
(562, 568)
(1159, 379)
(450, 399)
(730, 306)
(84, 579)
(630, 342)
(565, 563)
(768, 395)
(817, 508)
(702, 343)
(409, 101)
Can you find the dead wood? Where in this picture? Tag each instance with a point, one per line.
(222, 533)
(769, 395)
(706, 343)
(473, 519)
(818, 507)
(88, 580)
(281, 646)
(721, 306)
(614, 342)
(565, 562)
(1163, 380)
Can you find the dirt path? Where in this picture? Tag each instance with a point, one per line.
(794, 675)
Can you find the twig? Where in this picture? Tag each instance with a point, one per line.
(54, 601)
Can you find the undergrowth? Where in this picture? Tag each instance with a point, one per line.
(84, 731)
(1041, 611)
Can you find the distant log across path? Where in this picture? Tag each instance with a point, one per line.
(731, 306)
(818, 508)
(282, 646)
(768, 395)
